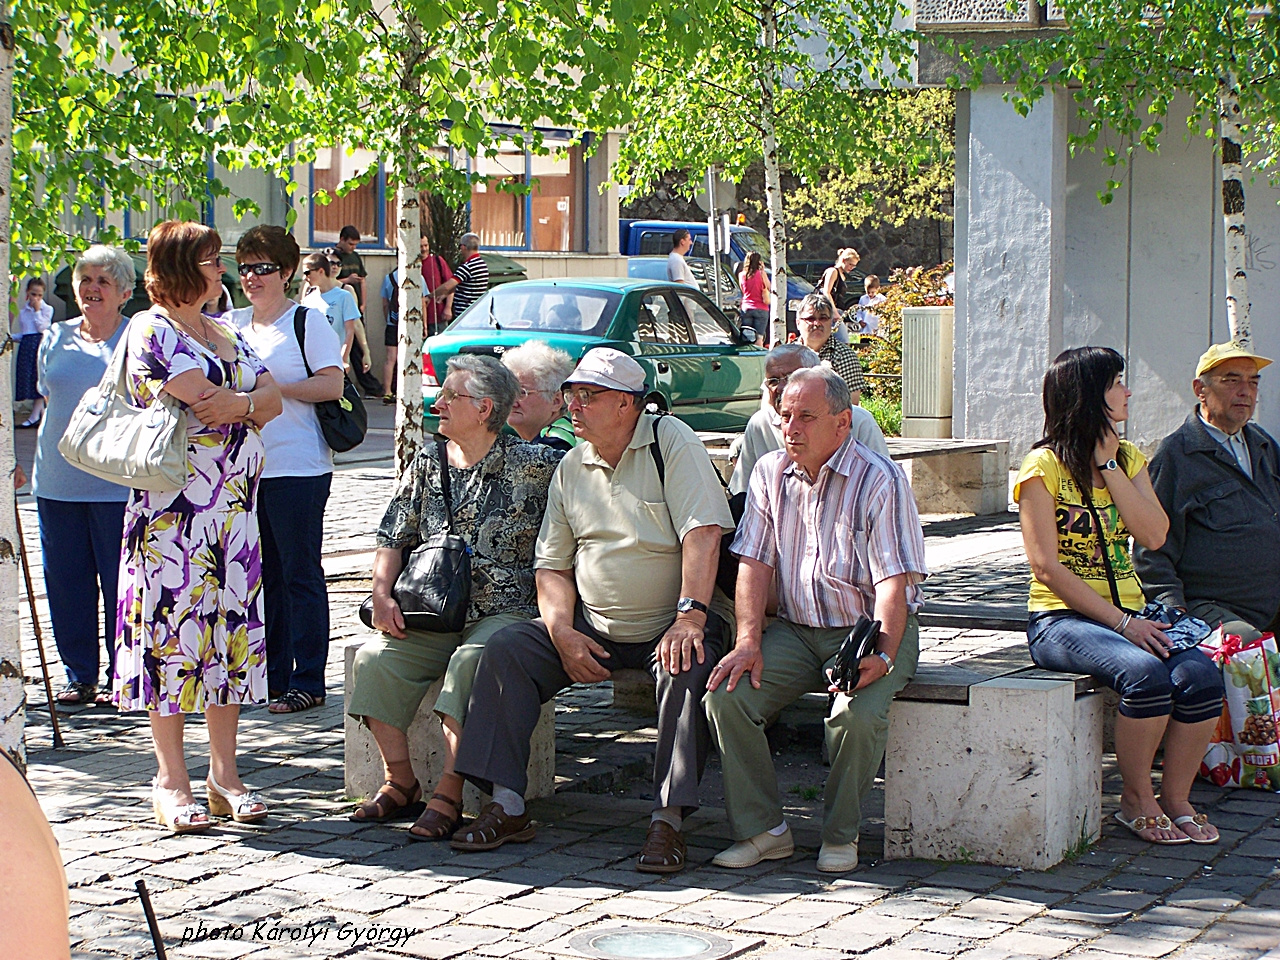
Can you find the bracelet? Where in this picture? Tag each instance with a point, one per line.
(1124, 622)
(249, 397)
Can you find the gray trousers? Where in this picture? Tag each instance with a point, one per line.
(520, 670)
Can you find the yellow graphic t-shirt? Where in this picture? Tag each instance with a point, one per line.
(1077, 542)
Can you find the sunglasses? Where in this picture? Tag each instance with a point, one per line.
(258, 269)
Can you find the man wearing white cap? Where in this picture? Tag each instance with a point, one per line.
(626, 562)
(1218, 478)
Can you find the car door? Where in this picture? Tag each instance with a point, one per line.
(732, 371)
(667, 348)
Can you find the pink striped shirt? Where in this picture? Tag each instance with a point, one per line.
(831, 540)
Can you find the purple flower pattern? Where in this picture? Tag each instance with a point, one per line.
(189, 621)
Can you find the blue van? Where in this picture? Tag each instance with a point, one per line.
(640, 238)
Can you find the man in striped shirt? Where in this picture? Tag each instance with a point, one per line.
(470, 278)
(834, 525)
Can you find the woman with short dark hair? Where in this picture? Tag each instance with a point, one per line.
(190, 624)
(299, 466)
(1083, 492)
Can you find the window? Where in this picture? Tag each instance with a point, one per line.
(548, 217)
(658, 324)
(545, 309)
(368, 208)
(655, 243)
(497, 214)
(707, 328)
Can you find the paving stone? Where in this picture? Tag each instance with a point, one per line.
(1123, 899)
(792, 919)
(1203, 898)
(637, 908)
(1133, 946)
(1089, 913)
(998, 909)
(1017, 943)
(964, 927)
(507, 917)
(321, 884)
(1241, 936)
(933, 942)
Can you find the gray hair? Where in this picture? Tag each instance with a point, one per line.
(489, 380)
(838, 397)
(820, 305)
(548, 366)
(470, 240)
(114, 262)
(802, 354)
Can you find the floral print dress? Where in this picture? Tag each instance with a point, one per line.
(189, 625)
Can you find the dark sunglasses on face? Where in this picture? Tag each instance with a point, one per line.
(257, 269)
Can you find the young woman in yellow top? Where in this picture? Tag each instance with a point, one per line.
(1076, 626)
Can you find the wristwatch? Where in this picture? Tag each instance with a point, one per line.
(1109, 465)
(888, 661)
(687, 604)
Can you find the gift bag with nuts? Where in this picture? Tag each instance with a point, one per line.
(1244, 751)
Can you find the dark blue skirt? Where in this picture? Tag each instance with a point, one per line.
(24, 387)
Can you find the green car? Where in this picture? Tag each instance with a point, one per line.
(698, 364)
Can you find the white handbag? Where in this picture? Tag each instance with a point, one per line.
(140, 447)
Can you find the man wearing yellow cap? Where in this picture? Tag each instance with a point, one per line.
(1218, 478)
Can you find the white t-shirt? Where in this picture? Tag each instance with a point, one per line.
(678, 271)
(339, 305)
(868, 319)
(295, 445)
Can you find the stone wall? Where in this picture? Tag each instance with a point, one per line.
(918, 242)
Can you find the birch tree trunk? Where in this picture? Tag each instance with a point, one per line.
(12, 694)
(1237, 238)
(409, 261)
(773, 175)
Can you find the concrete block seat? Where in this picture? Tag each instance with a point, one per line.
(362, 764)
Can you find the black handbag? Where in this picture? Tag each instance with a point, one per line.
(344, 422)
(861, 642)
(433, 590)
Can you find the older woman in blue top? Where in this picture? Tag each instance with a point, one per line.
(81, 517)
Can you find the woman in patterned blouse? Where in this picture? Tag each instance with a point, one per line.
(498, 492)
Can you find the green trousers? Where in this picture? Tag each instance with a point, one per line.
(796, 659)
(393, 675)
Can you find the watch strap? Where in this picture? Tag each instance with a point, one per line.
(688, 603)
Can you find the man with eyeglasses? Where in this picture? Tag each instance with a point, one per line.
(626, 563)
(1218, 479)
(763, 432)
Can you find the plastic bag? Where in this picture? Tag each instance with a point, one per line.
(1244, 750)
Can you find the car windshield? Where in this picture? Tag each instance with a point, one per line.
(544, 308)
(750, 241)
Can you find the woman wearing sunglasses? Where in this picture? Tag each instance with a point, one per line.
(299, 467)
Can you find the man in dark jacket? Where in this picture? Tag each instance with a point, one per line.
(1218, 477)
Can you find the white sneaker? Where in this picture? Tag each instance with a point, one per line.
(749, 852)
(838, 857)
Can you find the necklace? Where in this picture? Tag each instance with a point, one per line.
(204, 337)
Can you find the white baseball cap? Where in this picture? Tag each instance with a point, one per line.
(608, 368)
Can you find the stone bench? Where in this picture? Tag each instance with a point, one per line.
(362, 763)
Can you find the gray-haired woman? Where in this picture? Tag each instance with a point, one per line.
(81, 517)
(538, 414)
(498, 492)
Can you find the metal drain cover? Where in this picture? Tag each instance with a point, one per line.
(651, 943)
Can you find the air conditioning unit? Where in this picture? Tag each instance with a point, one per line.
(928, 339)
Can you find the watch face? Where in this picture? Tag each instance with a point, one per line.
(684, 606)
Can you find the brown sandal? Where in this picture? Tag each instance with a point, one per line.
(436, 825)
(492, 829)
(384, 807)
(664, 850)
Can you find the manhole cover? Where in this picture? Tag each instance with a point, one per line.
(651, 943)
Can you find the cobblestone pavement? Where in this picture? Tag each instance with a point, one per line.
(309, 883)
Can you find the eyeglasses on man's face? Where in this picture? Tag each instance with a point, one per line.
(777, 383)
(582, 396)
(258, 269)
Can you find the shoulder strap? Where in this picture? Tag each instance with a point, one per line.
(441, 448)
(655, 448)
(300, 331)
(1102, 545)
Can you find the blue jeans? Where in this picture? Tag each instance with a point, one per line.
(81, 547)
(1187, 685)
(296, 602)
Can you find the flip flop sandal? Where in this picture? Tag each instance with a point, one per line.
(295, 701)
(76, 694)
(383, 807)
(1138, 824)
(1200, 820)
(103, 697)
(437, 825)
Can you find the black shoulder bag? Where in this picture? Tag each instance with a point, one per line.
(727, 572)
(1101, 534)
(344, 422)
(433, 590)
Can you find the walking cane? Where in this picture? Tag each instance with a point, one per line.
(58, 743)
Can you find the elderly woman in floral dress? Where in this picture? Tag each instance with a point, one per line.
(191, 635)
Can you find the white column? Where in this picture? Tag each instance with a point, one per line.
(602, 206)
(1009, 262)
